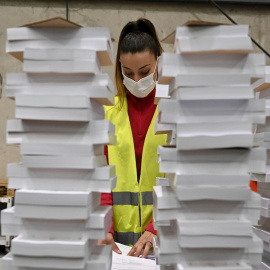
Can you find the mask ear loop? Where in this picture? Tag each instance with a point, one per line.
(121, 68)
(157, 69)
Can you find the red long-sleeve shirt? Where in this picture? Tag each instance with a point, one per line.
(140, 111)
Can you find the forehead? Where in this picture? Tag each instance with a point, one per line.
(137, 60)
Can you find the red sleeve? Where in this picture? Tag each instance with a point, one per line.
(253, 185)
(106, 153)
(150, 227)
(106, 198)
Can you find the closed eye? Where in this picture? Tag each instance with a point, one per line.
(128, 74)
(145, 72)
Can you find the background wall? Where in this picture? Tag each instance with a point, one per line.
(113, 14)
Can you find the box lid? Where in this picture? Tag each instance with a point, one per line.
(53, 22)
(171, 37)
(105, 58)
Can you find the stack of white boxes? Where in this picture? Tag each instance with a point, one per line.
(205, 215)
(61, 131)
(262, 139)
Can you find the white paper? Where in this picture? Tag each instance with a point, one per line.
(124, 262)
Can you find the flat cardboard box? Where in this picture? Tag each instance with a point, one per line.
(241, 227)
(200, 258)
(212, 209)
(60, 61)
(214, 135)
(171, 37)
(100, 258)
(18, 170)
(265, 94)
(57, 22)
(98, 87)
(46, 101)
(213, 45)
(100, 217)
(47, 197)
(100, 233)
(48, 229)
(207, 81)
(212, 179)
(203, 30)
(49, 262)
(266, 203)
(162, 91)
(100, 185)
(59, 54)
(61, 82)
(165, 198)
(62, 132)
(53, 149)
(265, 212)
(92, 128)
(264, 222)
(212, 93)
(193, 193)
(167, 239)
(57, 114)
(64, 162)
(264, 83)
(195, 66)
(66, 67)
(211, 111)
(264, 127)
(215, 160)
(263, 233)
(24, 246)
(10, 225)
(214, 241)
(27, 211)
(209, 29)
(216, 266)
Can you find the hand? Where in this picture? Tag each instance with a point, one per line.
(109, 241)
(146, 242)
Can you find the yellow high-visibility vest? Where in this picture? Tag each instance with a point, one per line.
(132, 201)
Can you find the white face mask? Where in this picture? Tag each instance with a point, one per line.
(141, 88)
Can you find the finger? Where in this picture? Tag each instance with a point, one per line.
(139, 250)
(132, 251)
(115, 248)
(146, 249)
(101, 242)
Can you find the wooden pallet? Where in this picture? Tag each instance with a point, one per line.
(5, 191)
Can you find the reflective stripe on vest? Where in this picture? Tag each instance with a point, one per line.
(126, 238)
(132, 201)
(132, 198)
(147, 198)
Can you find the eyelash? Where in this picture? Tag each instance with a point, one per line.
(146, 72)
(143, 73)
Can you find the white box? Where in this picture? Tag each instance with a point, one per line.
(211, 111)
(171, 65)
(64, 162)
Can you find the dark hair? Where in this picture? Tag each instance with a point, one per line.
(136, 36)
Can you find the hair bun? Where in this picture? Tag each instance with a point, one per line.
(141, 25)
(146, 26)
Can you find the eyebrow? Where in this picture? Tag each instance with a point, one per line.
(139, 68)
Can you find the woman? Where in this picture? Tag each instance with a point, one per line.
(135, 155)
